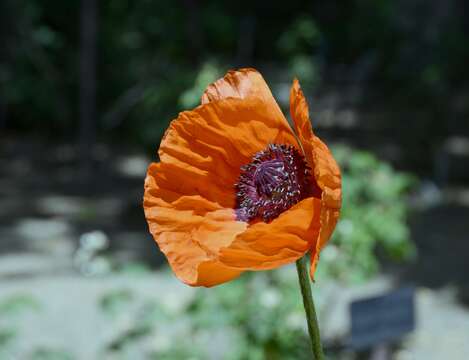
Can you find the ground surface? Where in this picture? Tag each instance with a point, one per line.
(64, 313)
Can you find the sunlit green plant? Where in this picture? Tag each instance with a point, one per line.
(373, 217)
(11, 308)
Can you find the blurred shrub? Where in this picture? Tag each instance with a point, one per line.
(301, 37)
(17, 304)
(150, 52)
(262, 312)
(305, 68)
(226, 322)
(113, 302)
(45, 353)
(6, 335)
(208, 73)
(373, 217)
(11, 308)
(298, 44)
(180, 88)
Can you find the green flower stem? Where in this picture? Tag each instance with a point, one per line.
(313, 328)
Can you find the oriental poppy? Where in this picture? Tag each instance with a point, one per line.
(236, 189)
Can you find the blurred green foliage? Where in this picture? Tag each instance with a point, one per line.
(262, 312)
(150, 53)
(11, 308)
(45, 353)
(6, 335)
(113, 302)
(17, 304)
(373, 217)
(300, 37)
(227, 320)
(209, 72)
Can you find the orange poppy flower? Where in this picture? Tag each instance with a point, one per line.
(236, 189)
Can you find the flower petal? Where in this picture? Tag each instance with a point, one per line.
(268, 245)
(324, 168)
(190, 195)
(206, 147)
(244, 84)
(189, 231)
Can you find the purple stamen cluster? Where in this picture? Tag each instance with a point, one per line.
(276, 179)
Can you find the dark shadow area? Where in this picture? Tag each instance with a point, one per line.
(441, 236)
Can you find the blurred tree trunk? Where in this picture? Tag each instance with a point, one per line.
(464, 6)
(247, 29)
(6, 35)
(87, 133)
(194, 30)
(3, 115)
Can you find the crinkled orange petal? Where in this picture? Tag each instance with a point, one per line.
(324, 168)
(190, 195)
(269, 245)
(189, 231)
(244, 84)
(207, 146)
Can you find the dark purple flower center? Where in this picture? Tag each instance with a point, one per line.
(276, 179)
